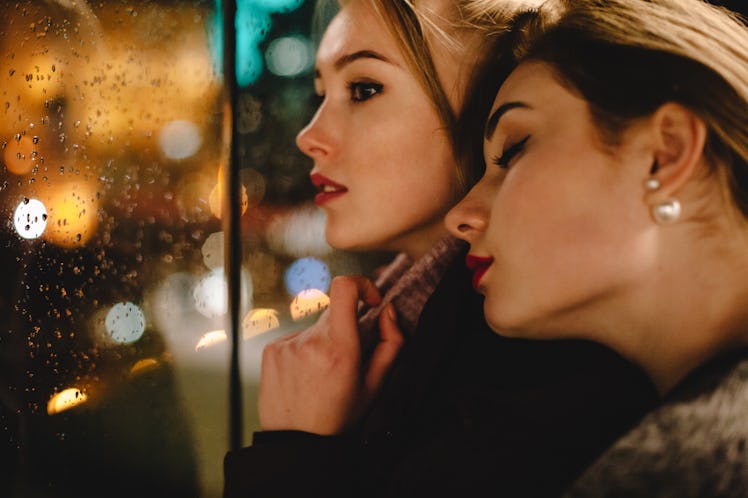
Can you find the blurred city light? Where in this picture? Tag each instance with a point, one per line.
(125, 323)
(20, 154)
(289, 56)
(299, 233)
(212, 250)
(72, 214)
(211, 339)
(259, 321)
(65, 400)
(211, 294)
(180, 139)
(307, 273)
(144, 365)
(30, 218)
(309, 302)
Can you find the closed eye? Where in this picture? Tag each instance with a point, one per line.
(510, 153)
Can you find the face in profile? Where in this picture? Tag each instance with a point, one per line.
(383, 163)
(557, 226)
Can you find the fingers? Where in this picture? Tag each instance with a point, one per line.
(345, 293)
(391, 340)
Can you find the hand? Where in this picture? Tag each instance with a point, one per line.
(313, 380)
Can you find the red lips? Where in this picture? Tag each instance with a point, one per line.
(328, 189)
(478, 265)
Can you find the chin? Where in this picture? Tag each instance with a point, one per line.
(505, 323)
(342, 241)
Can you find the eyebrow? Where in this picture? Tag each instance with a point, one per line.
(347, 59)
(493, 121)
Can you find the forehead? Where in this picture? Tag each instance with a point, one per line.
(356, 27)
(536, 85)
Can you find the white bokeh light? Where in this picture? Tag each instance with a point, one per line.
(211, 295)
(179, 139)
(30, 218)
(212, 250)
(288, 56)
(125, 323)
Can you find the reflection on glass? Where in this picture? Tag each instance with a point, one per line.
(111, 163)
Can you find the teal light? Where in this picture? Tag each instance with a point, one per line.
(253, 23)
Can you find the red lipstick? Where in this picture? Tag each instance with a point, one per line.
(478, 265)
(328, 189)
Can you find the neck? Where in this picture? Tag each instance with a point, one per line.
(417, 244)
(693, 307)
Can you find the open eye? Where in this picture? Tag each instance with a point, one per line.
(509, 153)
(363, 90)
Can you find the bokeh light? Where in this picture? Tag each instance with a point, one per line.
(211, 339)
(125, 323)
(274, 5)
(179, 139)
(20, 154)
(307, 273)
(308, 302)
(299, 233)
(30, 218)
(65, 400)
(215, 199)
(212, 250)
(259, 321)
(211, 293)
(289, 56)
(72, 214)
(144, 365)
(248, 55)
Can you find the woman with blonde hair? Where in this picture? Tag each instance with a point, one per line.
(616, 188)
(432, 403)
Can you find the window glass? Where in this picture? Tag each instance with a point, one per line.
(114, 358)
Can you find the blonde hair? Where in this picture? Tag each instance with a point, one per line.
(628, 57)
(415, 29)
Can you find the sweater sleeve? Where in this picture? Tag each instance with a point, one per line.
(283, 464)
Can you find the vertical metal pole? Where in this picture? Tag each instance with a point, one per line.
(231, 226)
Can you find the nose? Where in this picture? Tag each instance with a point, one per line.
(315, 139)
(470, 216)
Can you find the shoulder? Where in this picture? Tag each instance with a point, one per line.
(694, 444)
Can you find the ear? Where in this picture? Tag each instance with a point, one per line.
(679, 138)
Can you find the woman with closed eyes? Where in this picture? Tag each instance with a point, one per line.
(616, 188)
(431, 402)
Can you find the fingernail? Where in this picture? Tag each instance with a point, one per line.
(390, 312)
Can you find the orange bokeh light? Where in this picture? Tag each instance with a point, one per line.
(72, 214)
(215, 200)
(19, 156)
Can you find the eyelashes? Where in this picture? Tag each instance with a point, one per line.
(361, 91)
(510, 153)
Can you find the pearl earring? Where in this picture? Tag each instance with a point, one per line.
(666, 212)
(652, 184)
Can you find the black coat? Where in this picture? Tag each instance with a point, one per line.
(465, 412)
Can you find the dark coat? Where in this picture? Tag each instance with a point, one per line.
(693, 446)
(465, 412)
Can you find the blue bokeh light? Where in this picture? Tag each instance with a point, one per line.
(307, 273)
